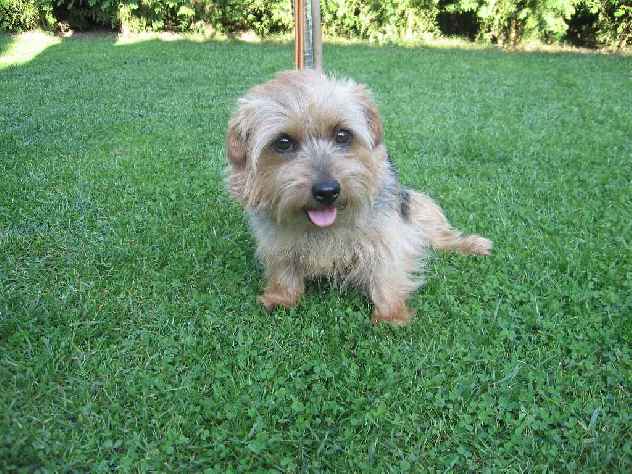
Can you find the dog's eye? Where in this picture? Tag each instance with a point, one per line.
(284, 144)
(343, 136)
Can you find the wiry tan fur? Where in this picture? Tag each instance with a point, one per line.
(382, 231)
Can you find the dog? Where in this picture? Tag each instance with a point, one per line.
(308, 163)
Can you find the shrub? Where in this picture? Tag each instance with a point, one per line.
(613, 21)
(18, 15)
(229, 16)
(584, 22)
(507, 22)
(511, 21)
(86, 14)
(379, 20)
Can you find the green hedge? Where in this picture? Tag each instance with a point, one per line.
(24, 15)
(605, 22)
(380, 20)
(506, 22)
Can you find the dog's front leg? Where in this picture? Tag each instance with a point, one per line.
(284, 285)
(389, 289)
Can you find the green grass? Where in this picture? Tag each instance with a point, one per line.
(130, 338)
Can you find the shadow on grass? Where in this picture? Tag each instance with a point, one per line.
(6, 41)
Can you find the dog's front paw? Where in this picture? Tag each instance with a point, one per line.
(476, 245)
(400, 316)
(286, 298)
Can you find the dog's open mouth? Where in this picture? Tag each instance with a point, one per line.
(322, 217)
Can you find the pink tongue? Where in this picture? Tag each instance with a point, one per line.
(322, 217)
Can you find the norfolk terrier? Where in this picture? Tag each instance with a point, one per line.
(309, 165)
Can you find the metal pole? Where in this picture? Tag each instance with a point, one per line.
(317, 38)
(308, 52)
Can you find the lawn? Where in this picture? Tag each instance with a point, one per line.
(130, 335)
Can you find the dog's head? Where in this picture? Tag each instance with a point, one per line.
(305, 146)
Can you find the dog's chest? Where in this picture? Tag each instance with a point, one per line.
(345, 254)
(329, 254)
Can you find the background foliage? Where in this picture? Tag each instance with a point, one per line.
(506, 22)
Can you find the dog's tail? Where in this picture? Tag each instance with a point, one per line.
(423, 211)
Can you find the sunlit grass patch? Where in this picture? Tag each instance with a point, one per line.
(24, 47)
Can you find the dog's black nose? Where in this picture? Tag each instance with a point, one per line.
(326, 192)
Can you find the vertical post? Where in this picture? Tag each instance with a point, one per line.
(317, 37)
(299, 33)
(307, 35)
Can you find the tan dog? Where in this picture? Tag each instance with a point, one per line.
(308, 163)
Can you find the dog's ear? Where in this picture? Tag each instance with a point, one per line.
(236, 148)
(372, 115)
(237, 154)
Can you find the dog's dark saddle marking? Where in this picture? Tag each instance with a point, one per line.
(404, 194)
(404, 204)
(392, 165)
